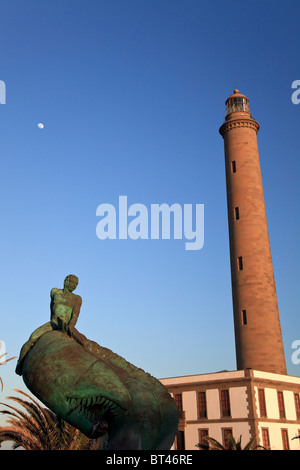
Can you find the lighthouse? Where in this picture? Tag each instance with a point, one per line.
(258, 337)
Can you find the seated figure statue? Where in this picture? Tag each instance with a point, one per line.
(64, 310)
(91, 387)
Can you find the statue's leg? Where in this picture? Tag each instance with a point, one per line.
(31, 341)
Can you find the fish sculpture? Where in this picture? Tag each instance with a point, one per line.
(101, 393)
(91, 387)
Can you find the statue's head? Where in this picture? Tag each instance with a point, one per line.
(71, 282)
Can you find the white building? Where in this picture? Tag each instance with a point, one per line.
(244, 403)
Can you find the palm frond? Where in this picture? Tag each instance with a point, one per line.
(1, 364)
(6, 360)
(214, 444)
(233, 444)
(38, 428)
(250, 444)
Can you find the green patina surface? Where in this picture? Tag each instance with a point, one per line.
(91, 387)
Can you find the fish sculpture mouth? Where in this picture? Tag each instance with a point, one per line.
(98, 410)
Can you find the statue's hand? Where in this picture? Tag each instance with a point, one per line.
(73, 333)
(62, 326)
(68, 329)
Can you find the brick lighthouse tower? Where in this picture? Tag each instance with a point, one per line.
(258, 335)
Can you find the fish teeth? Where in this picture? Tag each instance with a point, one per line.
(94, 407)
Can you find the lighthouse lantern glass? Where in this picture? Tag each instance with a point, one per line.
(237, 103)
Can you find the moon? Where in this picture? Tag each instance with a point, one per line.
(41, 126)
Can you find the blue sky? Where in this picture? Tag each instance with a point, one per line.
(132, 96)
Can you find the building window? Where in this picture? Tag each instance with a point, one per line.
(203, 433)
(202, 412)
(262, 403)
(180, 445)
(244, 317)
(178, 401)
(297, 404)
(236, 213)
(285, 439)
(265, 438)
(233, 167)
(281, 405)
(240, 263)
(226, 437)
(225, 404)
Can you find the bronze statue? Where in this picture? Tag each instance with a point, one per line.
(64, 308)
(93, 388)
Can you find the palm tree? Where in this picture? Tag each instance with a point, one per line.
(213, 444)
(40, 429)
(1, 364)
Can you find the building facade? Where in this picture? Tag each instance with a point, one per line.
(244, 403)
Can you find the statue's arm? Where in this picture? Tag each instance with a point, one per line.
(76, 311)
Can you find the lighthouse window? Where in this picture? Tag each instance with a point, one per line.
(233, 166)
(239, 104)
(240, 263)
(236, 213)
(244, 317)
